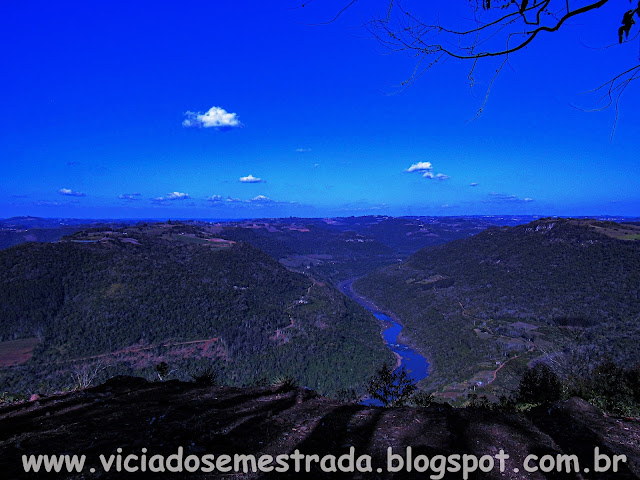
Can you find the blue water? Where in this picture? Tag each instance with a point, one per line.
(415, 364)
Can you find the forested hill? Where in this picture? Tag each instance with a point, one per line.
(507, 290)
(125, 300)
(557, 270)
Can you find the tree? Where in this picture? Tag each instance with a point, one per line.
(540, 384)
(496, 30)
(84, 375)
(393, 389)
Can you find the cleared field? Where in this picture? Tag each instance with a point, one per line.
(621, 231)
(16, 352)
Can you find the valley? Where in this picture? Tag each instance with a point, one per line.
(481, 298)
(552, 290)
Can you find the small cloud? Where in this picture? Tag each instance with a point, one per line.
(503, 197)
(215, 117)
(316, 165)
(421, 167)
(233, 200)
(261, 199)
(170, 197)
(303, 150)
(426, 169)
(177, 196)
(129, 196)
(70, 193)
(250, 179)
(215, 198)
(473, 184)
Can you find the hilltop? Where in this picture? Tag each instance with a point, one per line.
(329, 249)
(563, 289)
(123, 300)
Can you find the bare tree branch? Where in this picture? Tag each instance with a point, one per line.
(501, 28)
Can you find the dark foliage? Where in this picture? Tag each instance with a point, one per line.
(612, 388)
(540, 384)
(392, 388)
(162, 369)
(208, 376)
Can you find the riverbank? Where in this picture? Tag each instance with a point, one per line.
(346, 287)
(408, 357)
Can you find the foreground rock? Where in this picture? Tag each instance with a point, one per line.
(132, 414)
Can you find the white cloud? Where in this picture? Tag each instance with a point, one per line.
(215, 117)
(70, 193)
(177, 196)
(303, 150)
(250, 179)
(473, 184)
(170, 197)
(261, 199)
(420, 167)
(237, 203)
(503, 197)
(129, 196)
(426, 169)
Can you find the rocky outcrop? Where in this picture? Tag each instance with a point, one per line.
(132, 414)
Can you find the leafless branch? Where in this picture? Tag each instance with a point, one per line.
(613, 88)
(499, 28)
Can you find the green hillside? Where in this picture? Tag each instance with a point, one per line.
(128, 299)
(553, 288)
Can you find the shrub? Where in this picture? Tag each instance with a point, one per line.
(208, 376)
(421, 399)
(613, 389)
(540, 384)
(162, 369)
(284, 383)
(347, 395)
(391, 388)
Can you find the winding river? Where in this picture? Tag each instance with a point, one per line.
(415, 364)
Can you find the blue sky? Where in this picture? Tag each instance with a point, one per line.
(159, 109)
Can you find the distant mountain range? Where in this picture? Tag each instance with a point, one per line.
(330, 249)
